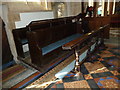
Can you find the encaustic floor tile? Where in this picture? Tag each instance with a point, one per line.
(115, 72)
(107, 82)
(96, 67)
(88, 76)
(77, 84)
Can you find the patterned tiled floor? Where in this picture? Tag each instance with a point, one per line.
(104, 72)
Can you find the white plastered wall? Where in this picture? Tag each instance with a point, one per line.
(73, 8)
(26, 18)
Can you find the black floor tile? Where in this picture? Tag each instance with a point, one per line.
(97, 56)
(108, 58)
(109, 67)
(71, 79)
(92, 61)
(50, 86)
(60, 86)
(115, 53)
(118, 70)
(57, 89)
(93, 84)
(99, 52)
(51, 89)
(105, 64)
(118, 76)
(104, 74)
(95, 60)
(83, 69)
(116, 48)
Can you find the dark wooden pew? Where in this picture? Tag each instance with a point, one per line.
(81, 44)
(20, 33)
(46, 38)
(20, 40)
(96, 22)
(115, 21)
(45, 43)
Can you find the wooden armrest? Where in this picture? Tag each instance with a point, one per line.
(72, 44)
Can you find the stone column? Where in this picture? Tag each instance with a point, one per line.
(73, 8)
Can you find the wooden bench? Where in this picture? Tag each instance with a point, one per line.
(46, 38)
(115, 20)
(20, 40)
(45, 43)
(83, 48)
(83, 43)
(19, 34)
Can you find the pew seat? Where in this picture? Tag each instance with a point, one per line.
(24, 41)
(59, 43)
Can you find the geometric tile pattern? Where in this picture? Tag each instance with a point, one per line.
(107, 82)
(104, 72)
(77, 84)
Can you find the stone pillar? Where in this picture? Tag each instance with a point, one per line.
(73, 8)
(68, 8)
